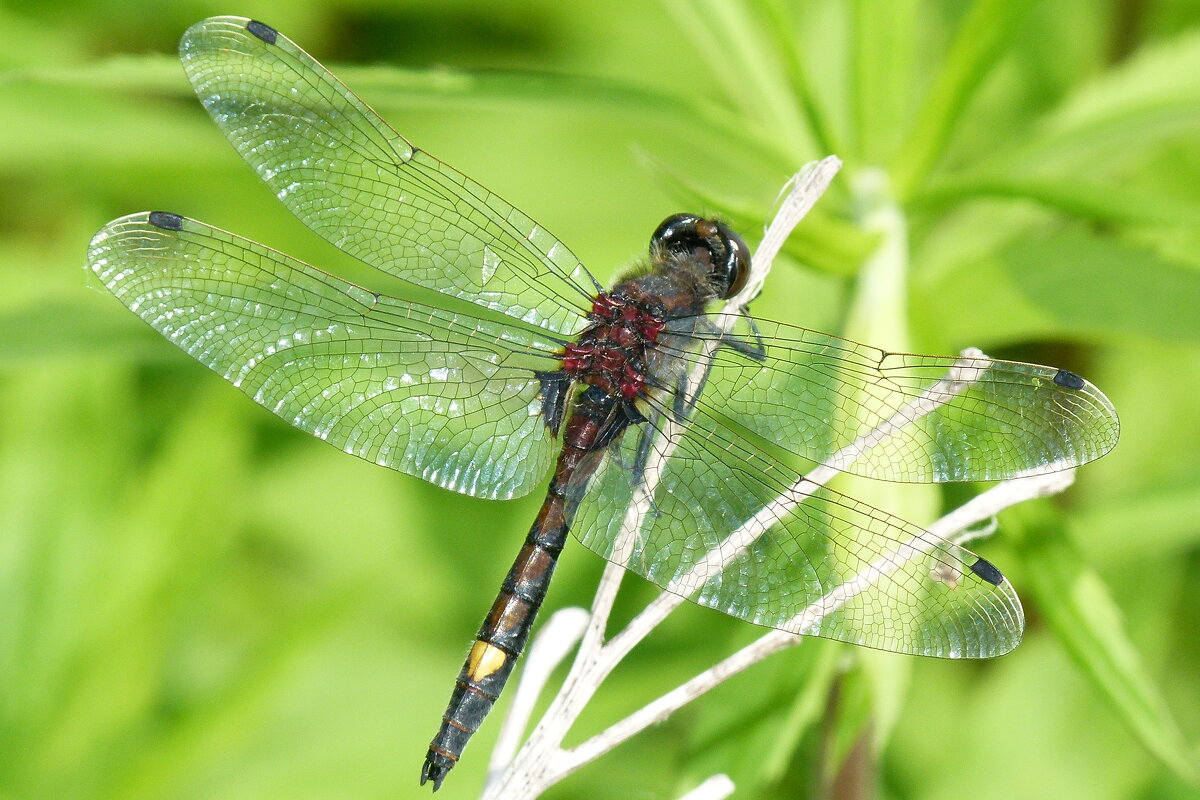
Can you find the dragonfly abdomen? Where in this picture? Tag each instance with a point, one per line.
(499, 643)
(598, 420)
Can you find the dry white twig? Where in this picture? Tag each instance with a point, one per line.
(718, 787)
(541, 761)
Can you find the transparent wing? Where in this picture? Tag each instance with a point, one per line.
(733, 529)
(438, 395)
(350, 177)
(815, 395)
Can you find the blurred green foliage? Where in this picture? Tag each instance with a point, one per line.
(197, 601)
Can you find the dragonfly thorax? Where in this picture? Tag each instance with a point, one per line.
(693, 261)
(611, 353)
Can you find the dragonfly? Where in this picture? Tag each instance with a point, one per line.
(533, 368)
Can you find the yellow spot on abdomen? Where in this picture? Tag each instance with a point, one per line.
(484, 660)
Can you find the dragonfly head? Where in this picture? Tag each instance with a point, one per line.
(709, 244)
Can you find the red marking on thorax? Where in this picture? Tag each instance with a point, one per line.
(611, 353)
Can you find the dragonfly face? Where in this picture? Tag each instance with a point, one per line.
(691, 244)
(589, 386)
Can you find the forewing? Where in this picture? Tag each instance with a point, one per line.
(734, 529)
(350, 177)
(928, 419)
(438, 395)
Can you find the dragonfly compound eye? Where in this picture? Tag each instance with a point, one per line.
(730, 274)
(677, 234)
(723, 254)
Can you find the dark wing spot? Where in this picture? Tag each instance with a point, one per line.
(1068, 380)
(264, 32)
(987, 571)
(166, 220)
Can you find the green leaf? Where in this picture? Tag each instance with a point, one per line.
(1079, 197)
(62, 329)
(395, 88)
(737, 42)
(1084, 618)
(1128, 289)
(882, 53)
(850, 722)
(1120, 117)
(144, 74)
(983, 39)
(168, 763)
(1164, 516)
(783, 29)
(805, 711)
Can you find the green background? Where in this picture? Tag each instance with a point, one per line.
(197, 601)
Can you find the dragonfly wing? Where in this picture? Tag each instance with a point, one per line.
(733, 529)
(438, 395)
(817, 395)
(350, 177)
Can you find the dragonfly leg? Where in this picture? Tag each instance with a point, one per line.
(619, 418)
(755, 350)
(556, 388)
(645, 442)
(685, 401)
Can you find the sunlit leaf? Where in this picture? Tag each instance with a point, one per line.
(1128, 289)
(1164, 516)
(1078, 197)
(391, 88)
(882, 57)
(1085, 619)
(979, 43)
(735, 39)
